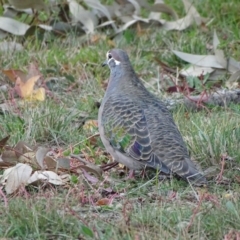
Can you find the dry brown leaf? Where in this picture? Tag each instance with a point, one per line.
(140, 31)
(9, 156)
(50, 162)
(13, 74)
(21, 148)
(25, 89)
(29, 158)
(103, 202)
(33, 70)
(40, 155)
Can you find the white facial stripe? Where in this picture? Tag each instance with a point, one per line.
(116, 61)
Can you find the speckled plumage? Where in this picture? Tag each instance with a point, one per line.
(136, 127)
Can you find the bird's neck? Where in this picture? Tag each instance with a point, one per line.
(123, 79)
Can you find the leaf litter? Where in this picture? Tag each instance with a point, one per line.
(32, 164)
(118, 16)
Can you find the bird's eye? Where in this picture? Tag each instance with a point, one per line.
(109, 56)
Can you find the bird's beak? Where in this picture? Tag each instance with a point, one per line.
(104, 63)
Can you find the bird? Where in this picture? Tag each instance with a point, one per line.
(136, 127)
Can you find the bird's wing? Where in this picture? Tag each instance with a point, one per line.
(148, 135)
(126, 128)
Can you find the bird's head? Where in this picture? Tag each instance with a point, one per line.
(116, 57)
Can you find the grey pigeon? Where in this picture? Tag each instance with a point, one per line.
(136, 127)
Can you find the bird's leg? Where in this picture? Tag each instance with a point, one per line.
(131, 174)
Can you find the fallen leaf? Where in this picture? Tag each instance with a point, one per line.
(199, 60)
(136, 6)
(21, 148)
(50, 162)
(81, 15)
(13, 74)
(9, 157)
(13, 26)
(90, 178)
(179, 24)
(232, 82)
(218, 53)
(103, 202)
(191, 10)
(38, 94)
(63, 163)
(96, 4)
(25, 89)
(16, 176)
(48, 176)
(11, 11)
(65, 178)
(40, 155)
(233, 65)
(5, 175)
(196, 71)
(28, 157)
(160, 7)
(33, 70)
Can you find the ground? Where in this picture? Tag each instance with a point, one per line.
(141, 208)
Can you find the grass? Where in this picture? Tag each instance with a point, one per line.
(141, 209)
